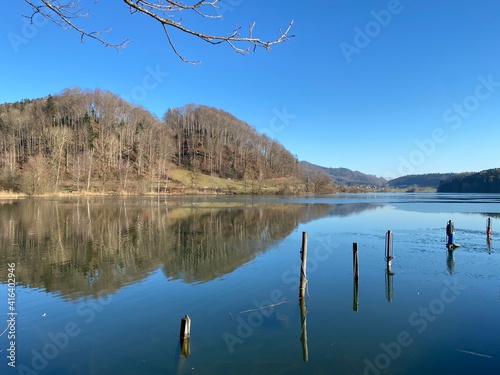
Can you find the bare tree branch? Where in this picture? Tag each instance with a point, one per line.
(64, 13)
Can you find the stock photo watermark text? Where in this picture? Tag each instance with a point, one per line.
(419, 321)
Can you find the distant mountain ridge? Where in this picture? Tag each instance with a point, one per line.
(344, 176)
(348, 177)
(420, 180)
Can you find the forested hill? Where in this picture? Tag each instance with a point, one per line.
(95, 141)
(344, 176)
(487, 181)
(421, 180)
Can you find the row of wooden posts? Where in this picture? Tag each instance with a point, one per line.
(185, 331)
(389, 256)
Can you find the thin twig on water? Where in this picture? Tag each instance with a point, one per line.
(480, 355)
(265, 307)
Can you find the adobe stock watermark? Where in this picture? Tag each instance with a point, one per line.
(278, 123)
(363, 36)
(264, 309)
(226, 6)
(29, 29)
(57, 342)
(420, 321)
(151, 81)
(455, 117)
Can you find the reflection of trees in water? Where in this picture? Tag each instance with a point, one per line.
(95, 247)
(492, 215)
(210, 244)
(347, 209)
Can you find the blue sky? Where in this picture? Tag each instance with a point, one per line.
(384, 87)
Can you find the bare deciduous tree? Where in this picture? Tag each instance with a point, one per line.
(167, 13)
(59, 138)
(35, 178)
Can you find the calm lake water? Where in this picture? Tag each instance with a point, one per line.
(102, 285)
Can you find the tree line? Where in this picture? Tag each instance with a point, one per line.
(420, 180)
(487, 181)
(92, 140)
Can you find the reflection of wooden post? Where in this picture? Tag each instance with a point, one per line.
(185, 347)
(388, 282)
(450, 262)
(185, 334)
(355, 297)
(303, 275)
(303, 335)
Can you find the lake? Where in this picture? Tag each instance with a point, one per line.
(101, 285)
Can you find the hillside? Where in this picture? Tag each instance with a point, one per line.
(344, 176)
(95, 142)
(487, 181)
(420, 181)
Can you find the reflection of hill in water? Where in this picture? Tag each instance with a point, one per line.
(348, 209)
(79, 248)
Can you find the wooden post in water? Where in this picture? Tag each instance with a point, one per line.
(389, 256)
(303, 335)
(355, 266)
(185, 334)
(185, 327)
(488, 227)
(389, 251)
(303, 274)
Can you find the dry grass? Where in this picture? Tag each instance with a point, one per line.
(187, 183)
(7, 194)
(202, 181)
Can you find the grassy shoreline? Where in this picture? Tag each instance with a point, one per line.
(183, 182)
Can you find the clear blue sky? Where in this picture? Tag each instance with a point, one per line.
(384, 87)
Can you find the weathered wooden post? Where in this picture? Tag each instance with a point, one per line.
(355, 266)
(389, 256)
(302, 290)
(303, 335)
(389, 251)
(488, 227)
(185, 335)
(185, 327)
(303, 274)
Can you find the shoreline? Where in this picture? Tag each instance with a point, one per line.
(194, 192)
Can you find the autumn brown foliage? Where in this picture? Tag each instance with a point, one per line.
(95, 141)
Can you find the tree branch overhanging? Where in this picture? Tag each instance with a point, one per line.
(65, 13)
